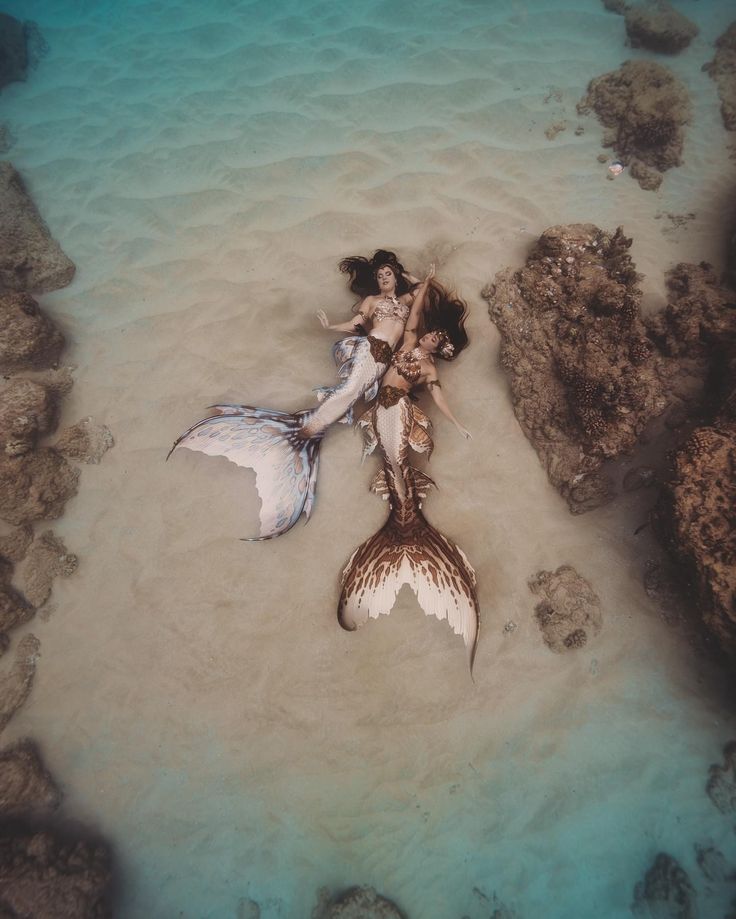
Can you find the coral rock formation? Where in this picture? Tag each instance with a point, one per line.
(28, 338)
(30, 259)
(47, 876)
(25, 785)
(723, 70)
(27, 410)
(570, 611)
(721, 786)
(13, 50)
(356, 903)
(35, 486)
(696, 516)
(15, 684)
(665, 892)
(584, 378)
(659, 27)
(47, 558)
(645, 108)
(85, 441)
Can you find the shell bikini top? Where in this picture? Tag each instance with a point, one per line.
(409, 363)
(390, 308)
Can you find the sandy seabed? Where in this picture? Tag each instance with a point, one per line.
(206, 166)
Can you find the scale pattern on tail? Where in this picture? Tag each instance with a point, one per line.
(407, 549)
(268, 442)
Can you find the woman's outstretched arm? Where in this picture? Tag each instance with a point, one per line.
(433, 384)
(363, 314)
(410, 332)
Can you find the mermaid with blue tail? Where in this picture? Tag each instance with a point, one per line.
(283, 448)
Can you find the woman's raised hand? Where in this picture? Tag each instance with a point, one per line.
(323, 320)
(464, 431)
(430, 273)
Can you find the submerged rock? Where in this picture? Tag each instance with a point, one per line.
(30, 259)
(723, 70)
(26, 787)
(665, 892)
(85, 441)
(645, 108)
(356, 903)
(14, 610)
(47, 558)
(15, 683)
(28, 338)
(35, 486)
(13, 50)
(700, 315)
(27, 410)
(721, 785)
(695, 516)
(659, 27)
(584, 377)
(570, 611)
(50, 875)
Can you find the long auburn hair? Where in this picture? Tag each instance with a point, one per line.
(443, 309)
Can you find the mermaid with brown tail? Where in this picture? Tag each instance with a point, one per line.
(407, 549)
(283, 448)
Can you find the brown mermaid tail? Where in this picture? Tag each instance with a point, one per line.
(407, 549)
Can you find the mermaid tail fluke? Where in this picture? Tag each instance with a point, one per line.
(418, 555)
(269, 442)
(407, 549)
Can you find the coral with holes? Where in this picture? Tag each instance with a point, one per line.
(569, 613)
(696, 517)
(700, 315)
(644, 108)
(657, 26)
(584, 375)
(723, 70)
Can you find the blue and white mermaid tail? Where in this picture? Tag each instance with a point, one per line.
(283, 448)
(359, 371)
(407, 549)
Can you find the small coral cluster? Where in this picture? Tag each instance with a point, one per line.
(723, 70)
(644, 108)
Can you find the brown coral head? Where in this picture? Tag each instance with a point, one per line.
(576, 639)
(640, 351)
(656, 132)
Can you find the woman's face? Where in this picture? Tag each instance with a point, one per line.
(430, 342)
(386, 280)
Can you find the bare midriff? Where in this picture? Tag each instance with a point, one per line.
(388, 330)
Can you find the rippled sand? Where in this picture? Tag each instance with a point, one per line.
(206, 166)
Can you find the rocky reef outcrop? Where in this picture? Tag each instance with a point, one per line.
(49, 874)
(30, 259)
(665, 892)
(355, 903)
(28, 338)
(584, 376)
(644, 109)
(569, 612)
(723, 70)
(16, 681)
(14, 58)
(26, 786)
(657, 26)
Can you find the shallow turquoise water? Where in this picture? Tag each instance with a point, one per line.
(176, 149)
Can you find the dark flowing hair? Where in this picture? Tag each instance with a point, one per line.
(363, 272)
(443, 310)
